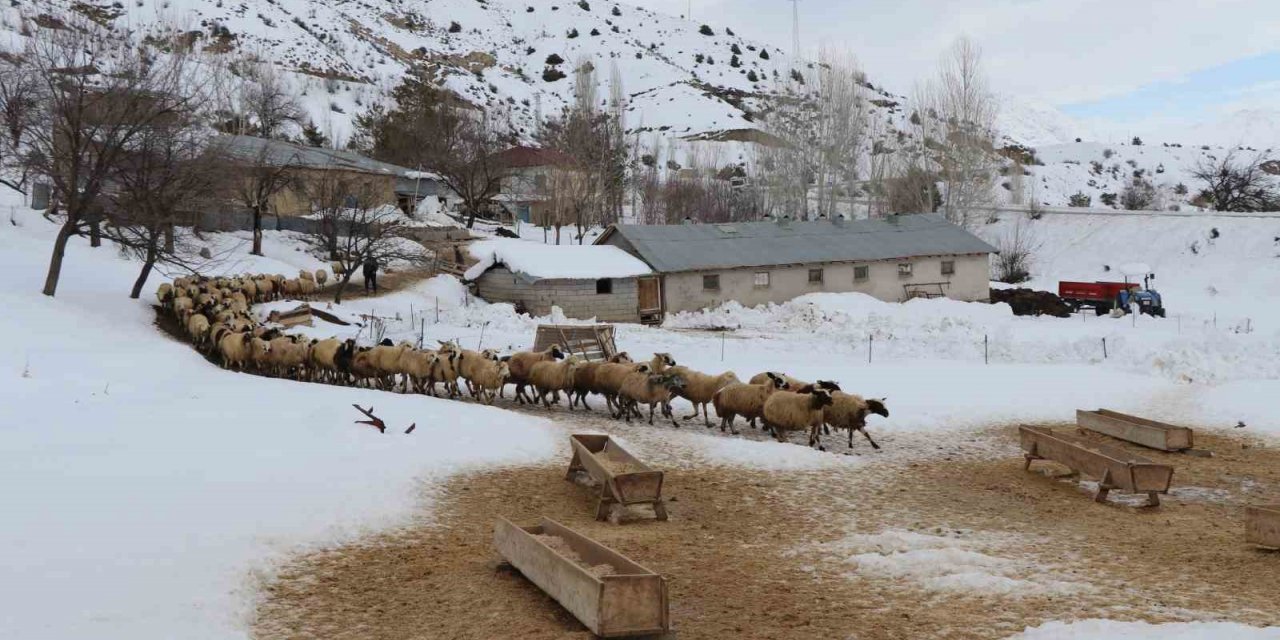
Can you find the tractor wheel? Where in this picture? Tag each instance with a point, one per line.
(1101, 309)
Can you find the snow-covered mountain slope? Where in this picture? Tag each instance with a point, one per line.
(344, 55)
(1257, 128)
(1034, 124)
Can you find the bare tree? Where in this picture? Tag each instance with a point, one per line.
(167, 174)
(957, 112)
(19, 97)
(1017, 246)
(841, 135)
(364, 229)
(1236, 184)
(268, 101)
(259, 176)
(95, 95)
(433, 129)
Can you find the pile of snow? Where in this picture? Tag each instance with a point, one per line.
(1180, 349)
(153, 491)
(953, 561)
(1115, 630)
(543, 261)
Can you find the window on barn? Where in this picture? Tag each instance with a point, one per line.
(762, 279)
(948, 267)
(540, 181)
(711, 283)
(904, 270)
(861, 272)
(604, 285)
(815, 276)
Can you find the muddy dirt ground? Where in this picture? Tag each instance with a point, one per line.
(765, 554)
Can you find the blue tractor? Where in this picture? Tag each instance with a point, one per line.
(1147, 299)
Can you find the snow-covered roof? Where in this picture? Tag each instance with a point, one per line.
(535, 261)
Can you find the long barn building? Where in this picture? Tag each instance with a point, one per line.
(894, 259)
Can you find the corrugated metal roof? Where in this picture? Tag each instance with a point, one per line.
(279, 153)
(696, 247)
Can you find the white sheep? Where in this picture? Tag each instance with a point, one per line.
(791, 411)
(700, 388)
(521, 364)
(489, 377)
(549, 377)
(746, 400)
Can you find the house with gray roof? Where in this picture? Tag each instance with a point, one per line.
(896, 258)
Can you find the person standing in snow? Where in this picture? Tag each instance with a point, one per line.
(371, 274)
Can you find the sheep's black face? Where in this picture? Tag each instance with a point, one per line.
(556, 353)
(821, 398)
(666, 358)
(877, 407)
(828, 385)
(386, 342)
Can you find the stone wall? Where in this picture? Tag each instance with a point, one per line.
(577, 298)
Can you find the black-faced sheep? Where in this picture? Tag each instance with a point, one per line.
(608, 378)
(849, 411)
(792, 384)
(790, 411)
(652, 389)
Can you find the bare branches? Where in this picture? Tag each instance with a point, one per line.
(95, 94)
(1236, 184)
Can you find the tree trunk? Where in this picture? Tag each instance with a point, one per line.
(342, 286)
(471, 217)
(95, 232)
(147, 264)
(55, 261)
(168, 239)
(557, 234)
(257, 231)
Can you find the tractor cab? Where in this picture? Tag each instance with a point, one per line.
(1147, 299)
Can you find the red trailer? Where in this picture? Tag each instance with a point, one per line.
(1099, 295)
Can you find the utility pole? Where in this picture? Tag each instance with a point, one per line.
(795, 29)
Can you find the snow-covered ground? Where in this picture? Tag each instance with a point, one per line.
(144, 488)
(153, 486)
(1115, 630)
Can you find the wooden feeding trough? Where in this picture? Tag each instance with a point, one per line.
(604, 589)
(1148, 433)
(623, 479)
(1262, 526)
(592, 342)
(1114, 467)
(300, 314)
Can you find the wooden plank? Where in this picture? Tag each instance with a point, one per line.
(1262, 525)
(1114, 467)
(1148, 433)
(632, 601)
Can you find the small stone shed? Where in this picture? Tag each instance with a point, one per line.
(585, 281)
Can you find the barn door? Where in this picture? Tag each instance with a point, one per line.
(650, 298)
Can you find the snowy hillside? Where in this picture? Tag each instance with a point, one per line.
(346, 55)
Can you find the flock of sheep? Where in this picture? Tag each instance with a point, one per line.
(216, 315)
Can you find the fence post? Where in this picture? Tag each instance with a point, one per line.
(1104, 348)
(986, 359)
(482, 328)
(869, 347)
(722, 332)
(437, 309)
(422, 331)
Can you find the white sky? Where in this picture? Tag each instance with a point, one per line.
(1113, 63)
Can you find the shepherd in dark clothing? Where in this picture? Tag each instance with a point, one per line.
(371, 274)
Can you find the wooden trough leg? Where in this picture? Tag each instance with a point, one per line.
(660, 509)
(1029, 457)
(574, 466)
(1153, 499)
(1104, 487)
(602, 507)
